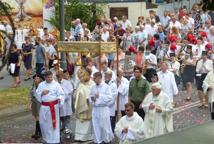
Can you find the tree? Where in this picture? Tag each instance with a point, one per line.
(5, 11)
(87, 12)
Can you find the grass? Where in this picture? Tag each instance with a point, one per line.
(12, 97)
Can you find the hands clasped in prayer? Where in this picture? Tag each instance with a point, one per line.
(94, 98)
(158, 108)
(45, 92)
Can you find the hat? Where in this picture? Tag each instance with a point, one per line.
(204, 53)
(208, 47)
(156, 85)
(172, 54)
(203, 34)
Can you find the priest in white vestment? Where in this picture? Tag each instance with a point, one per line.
(83, 110)
(208, 87)
(66, 108)
(100, 98)
(167, 80)
(114, 92)
(130, 128)
(50, 94)
(123, 88)
(158, 112)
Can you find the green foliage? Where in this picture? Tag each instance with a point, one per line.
(5, 8)
(87, 12)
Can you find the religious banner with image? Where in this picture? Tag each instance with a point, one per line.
(26, 13)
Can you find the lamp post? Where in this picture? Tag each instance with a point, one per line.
(62, 31)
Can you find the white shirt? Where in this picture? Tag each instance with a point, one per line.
(105, 36)
(174, 67)
(177, 24)
(168, 83)
(55, 92)
(164, 20)
(126, 24)
(204, 67)
(211, 39)
(152, 58)
(50, 50)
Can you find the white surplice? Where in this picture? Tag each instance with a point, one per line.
(168, 83)
(66, 108)
(209, 82)
(102, 131)
(49, 134)
(114, 92)
(158, 123)
(123, 89)
(136, 129)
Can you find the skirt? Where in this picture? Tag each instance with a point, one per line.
(35, 107)
(199, 80)
(189, 74)
(28, 62)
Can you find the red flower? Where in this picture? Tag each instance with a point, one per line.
(208, 47)
(203, 34)
(173, 47)
(151, 42)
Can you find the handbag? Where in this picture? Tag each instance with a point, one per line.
(12, 68)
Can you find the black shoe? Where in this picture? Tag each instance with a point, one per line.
(36, 136)
(1, 78)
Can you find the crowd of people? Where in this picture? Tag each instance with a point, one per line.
(129, 95)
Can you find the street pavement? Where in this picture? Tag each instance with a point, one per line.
(8, 80)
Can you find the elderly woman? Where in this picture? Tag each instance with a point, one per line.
(83, 130)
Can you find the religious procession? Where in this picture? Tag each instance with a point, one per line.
(126, 92)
